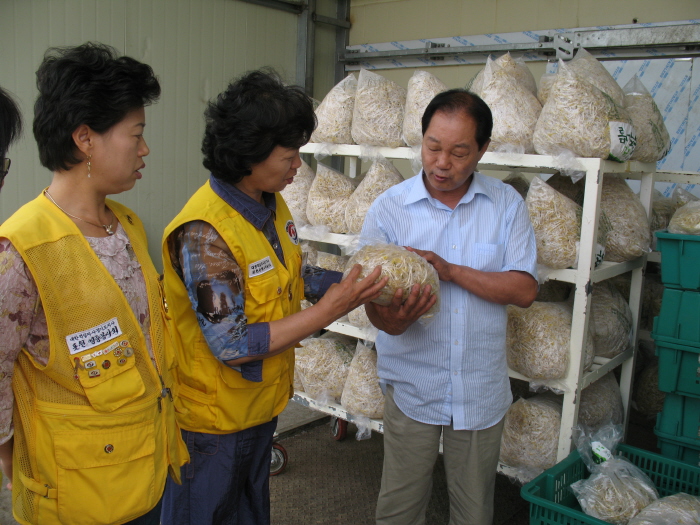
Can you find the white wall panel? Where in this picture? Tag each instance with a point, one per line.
(195, 47)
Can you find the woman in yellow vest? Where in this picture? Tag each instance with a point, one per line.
(235, 279)
(86, 354)
(10, 129)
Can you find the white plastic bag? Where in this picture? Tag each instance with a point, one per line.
(381, 176)
(629, 236)
(677, 509)
(362, 395)
(330, 261)
(601, 403)
(588, 68)
(531, 434)
(334, 114)
(580, 118)
(296, 194)
(328, 198)
(686, 220)
(377, 118)
(538, 340)
(514, 107)
(515, 68)
(611, 320)
(422, 88)
(403, 268)
(556, 220)
(323, 364)
(653, 140)
(616, 490)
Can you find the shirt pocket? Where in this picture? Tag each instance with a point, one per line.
(105, 476)
(486, 257)
(266, 292)
(110, 381)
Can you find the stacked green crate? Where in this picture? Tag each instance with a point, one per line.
(677, 337)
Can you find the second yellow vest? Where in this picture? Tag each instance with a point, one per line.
(214, 398)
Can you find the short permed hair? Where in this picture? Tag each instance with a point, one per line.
(256, 113)
(10, 121)
(89, 84)
(466, 102)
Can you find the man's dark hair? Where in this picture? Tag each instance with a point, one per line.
(466, 102)
(10, 121)
(89, 84)
(256, 113)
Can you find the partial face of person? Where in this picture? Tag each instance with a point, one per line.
(450, 154)
(117, 154)
(274, 173)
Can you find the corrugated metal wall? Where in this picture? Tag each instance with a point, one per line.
(195, 48)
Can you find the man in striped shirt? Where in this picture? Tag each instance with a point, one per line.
(450, 376)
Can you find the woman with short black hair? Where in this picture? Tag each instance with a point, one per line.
(235, 280)
(10, 130)
(85, 355)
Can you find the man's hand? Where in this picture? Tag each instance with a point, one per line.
(444, 269)
(397, 316)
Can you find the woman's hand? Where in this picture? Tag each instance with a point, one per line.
(397, 316)
(6, 461)
(350, 293)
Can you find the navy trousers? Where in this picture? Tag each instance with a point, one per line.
(227, 481)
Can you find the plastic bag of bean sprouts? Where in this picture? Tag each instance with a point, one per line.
(662, 209)
(546, 83)
(296, 194)
(358, 317)
(601, 403)
(556, 220)
(629, 236)
(334, 114)
(330, 261)
(377, 118)
(381, 176)
(422, 88)
(676, 509)
(328, 197)
(681, 197)
(611, 320)
(686, 220)
(616, 490)
(653, 140)
(564, 185)
(519, 182)
(362, 395)
(530, 436)
(580, 118)
(515, 68)
(588, 68)
(515, 110)
(323, 364)
(538, 340)
(403, 268)
(648, 399)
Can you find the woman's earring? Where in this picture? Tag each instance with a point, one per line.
(89, 164)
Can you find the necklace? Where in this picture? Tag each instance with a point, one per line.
(107, 228)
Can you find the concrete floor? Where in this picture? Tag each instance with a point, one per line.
(328, 481)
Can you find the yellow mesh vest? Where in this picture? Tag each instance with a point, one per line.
(214, 398)
(89, 448)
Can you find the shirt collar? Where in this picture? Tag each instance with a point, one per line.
(255, 213)
(418, 191)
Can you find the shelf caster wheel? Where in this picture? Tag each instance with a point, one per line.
(339, 429)
(279, 459)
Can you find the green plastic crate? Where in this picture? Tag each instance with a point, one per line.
(679, 260)
(679, 448)
(679, 368)
(553, 503)
(680, 418)
(679, 317)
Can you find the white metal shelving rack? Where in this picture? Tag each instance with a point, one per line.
(583, 277)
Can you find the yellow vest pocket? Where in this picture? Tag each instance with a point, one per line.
(105, 476)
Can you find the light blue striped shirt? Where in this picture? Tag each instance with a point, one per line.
(454, 370)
